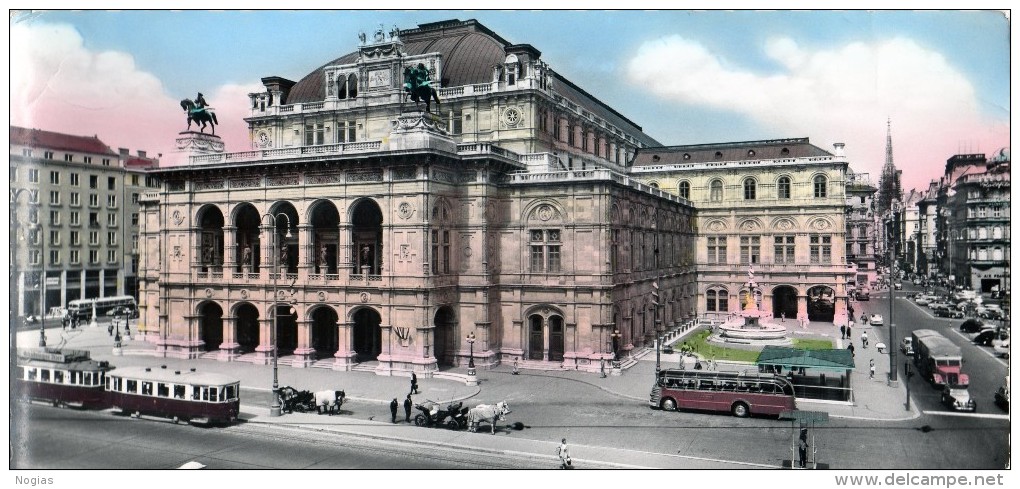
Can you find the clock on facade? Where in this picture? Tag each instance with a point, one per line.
(263, 139)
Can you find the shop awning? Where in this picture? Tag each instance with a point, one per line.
(832, 359)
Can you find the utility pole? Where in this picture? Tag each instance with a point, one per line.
(892, 325)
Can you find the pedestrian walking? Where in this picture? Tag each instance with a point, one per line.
(393, 410)
(783, 315)
(851, 348)
(802, 447)
(564, 454)
(842, 332)
(515, 372)
(872, 366)
(109, 329)
(407, 408)
(864, 340)
(414, 384)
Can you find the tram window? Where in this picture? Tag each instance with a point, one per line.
(196, 392)
(146, 388)
(212, 394)
(132, 386)
(33, 373)
(44, 375)
(87, 379)
(75, 377)
(178, 391)
(116, 384)
(58, 376)
(231, 392)
(162, 390)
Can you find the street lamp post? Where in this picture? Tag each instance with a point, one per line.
(892, 324)
(471, 353)
(15, 193)
(275, 409)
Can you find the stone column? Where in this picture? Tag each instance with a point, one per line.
(229, 347)
(307, 252)
(304, 352)
(265, 349)
(266, 261)
(344, 356)
(802, 314)
(230, 258)
(344, 252)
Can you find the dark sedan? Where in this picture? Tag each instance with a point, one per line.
(971, 325)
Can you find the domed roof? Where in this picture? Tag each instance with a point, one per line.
(468, 57)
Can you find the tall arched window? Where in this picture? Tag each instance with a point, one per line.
(710, 301)
(685, 189)
(715, 191)
(749, 189)
(820, 187)
(716, 300)
(783, 187)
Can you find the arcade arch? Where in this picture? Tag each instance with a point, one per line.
(367, 334)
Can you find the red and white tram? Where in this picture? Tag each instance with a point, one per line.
(191, 396)
(61, 377)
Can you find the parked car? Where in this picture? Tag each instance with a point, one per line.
(985, 337)
(1001, 348)
(921, 300)
(876, 320)
(993, 314)
(1002, 397)
(907, 346)
(958, 398)
(972, 325)
(945, 312)
(863, 295)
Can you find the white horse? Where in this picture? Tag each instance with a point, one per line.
(329, 401)
(490, 413)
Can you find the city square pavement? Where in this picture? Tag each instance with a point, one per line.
(874, 399)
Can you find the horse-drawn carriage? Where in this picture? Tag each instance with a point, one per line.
(489, 413)
(293, 400)
(432, 414)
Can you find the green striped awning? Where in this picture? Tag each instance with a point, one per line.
(832, 359)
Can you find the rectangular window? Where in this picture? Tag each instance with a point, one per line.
(446, 252)
(87, 159)
(784, 249)
(93, 219)
(750, 249)
(111, 219)
(75, 218)
(93, 257)
(75, 257)
(134, 180)
(111, 238)
(134, 243)
(54, 257)
(346, 131)
(75, 238)
(455, 121)
(134, 197)
(27, 153)
(93, 200)
(33, 175)
(93, 181)
(134, 218)
(48, 155)
(75, 199)
(996, 211)
(982, 211)
(33, 257)
(54, 197)
(74, 180)
(313, 134)
(68, 158)
(717, 249)
(545, 250)
(111, 201)
(54, 218)
(821, 248)
(111, 183)
(94, 238)
(55, 178)
(435, 252)
(106, 162)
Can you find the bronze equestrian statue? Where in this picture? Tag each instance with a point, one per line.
(419, 88)
(199, 112)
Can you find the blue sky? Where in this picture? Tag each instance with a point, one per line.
(686, 77)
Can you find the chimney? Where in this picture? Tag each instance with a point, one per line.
(141, 154)
(839, 149)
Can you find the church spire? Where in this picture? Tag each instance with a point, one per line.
(889, 184)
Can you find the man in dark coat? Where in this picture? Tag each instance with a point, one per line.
(393, 409)
(414, 383)
(407, 408)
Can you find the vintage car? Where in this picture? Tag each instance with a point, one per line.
(876, 320)
(957, 398)
(1002, 397)
(907, 346)
(945, 312)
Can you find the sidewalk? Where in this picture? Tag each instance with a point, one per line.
(874, 399)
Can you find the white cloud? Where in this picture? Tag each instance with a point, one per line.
(57, 84)
(841, 94)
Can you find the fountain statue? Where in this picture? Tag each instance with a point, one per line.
(749, 325)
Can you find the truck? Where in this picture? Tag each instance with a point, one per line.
(939, 360)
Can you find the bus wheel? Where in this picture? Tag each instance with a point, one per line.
(740, 410)
(668, 404)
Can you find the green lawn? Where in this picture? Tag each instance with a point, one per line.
(699, 344)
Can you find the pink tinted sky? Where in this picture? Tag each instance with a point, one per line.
(830, 76)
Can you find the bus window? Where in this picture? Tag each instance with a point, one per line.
(178, 391)
(44, 375)
(33, 373)
(706, 385)
(162, 390)
(58, 376)
(146, 388)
